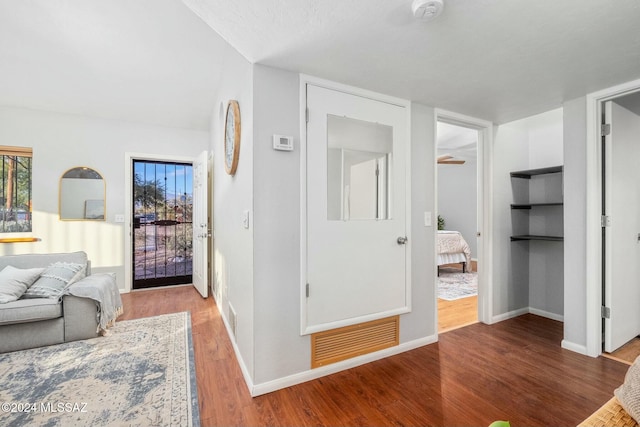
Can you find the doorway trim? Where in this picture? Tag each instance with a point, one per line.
(593, 201)
(128, 205)
(484, 209)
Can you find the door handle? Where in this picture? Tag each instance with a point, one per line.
(402, 240)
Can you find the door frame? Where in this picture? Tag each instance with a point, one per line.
(128, 205)
(483, 207)
(327, 84)
(594, 284)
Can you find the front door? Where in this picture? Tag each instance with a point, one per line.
(622, 235)
(162, 223)
(357, 244)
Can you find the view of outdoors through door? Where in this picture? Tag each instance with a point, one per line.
(162, 223)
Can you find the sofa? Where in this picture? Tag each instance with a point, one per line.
(82, 308)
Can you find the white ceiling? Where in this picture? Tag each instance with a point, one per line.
(150, 61)
(631, 102)
(154, 61)
(456, 141)
(498, 60)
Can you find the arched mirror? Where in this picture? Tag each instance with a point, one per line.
(82, 195)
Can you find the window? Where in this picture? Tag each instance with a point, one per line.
(15, 199)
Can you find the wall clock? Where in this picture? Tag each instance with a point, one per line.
(232, 137)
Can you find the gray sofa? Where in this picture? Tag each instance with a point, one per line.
(36, 322)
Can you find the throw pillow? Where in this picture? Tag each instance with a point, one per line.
(14, 282)
(629, 392)
(55, 279)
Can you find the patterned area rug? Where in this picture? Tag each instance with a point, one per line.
(141, 374)
(453, 284)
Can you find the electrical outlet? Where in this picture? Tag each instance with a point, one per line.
(119, 218)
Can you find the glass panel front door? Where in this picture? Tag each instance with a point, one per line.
(162, 223)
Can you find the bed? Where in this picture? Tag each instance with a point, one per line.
(453, 249)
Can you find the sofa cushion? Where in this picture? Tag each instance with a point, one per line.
(14, 282)
(629, 392)
(54, 279)
(42, 260)
(30, 310)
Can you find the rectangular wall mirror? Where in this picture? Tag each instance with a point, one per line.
(358, 169)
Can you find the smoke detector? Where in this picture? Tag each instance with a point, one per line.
(427, 10)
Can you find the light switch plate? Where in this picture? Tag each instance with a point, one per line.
(245, 219)
(427, 219)
(119, 218)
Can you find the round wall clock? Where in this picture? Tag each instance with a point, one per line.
(232, 137)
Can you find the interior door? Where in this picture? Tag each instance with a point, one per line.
(356, 209)
(622, 236)
(200, 224)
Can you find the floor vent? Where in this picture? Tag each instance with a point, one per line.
(351, 341)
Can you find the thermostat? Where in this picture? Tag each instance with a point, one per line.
(283, 143)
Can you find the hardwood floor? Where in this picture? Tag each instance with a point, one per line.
(514, 370)
(627, 353)
(456, 314)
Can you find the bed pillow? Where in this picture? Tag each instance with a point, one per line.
(55, 279)
(14, 282)
(629, 392)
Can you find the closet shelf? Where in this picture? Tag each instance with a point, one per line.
(532, 237)
(527, 174)
(533, 205)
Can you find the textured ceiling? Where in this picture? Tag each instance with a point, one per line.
(498, 60)
(155, 61)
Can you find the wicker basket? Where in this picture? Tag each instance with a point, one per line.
(609, 414)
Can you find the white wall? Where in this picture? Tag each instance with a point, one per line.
(457, 198)
(575, 224)
(510, 261)
(279, 348)
(63, 141)
(232, 195)
(527, 275)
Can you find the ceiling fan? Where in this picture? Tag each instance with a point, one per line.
(449, 160)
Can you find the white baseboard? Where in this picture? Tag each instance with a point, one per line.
(548, 315)
(509, 315)
(526, 310)
(312, 374)
(236, 350)
(578, 348)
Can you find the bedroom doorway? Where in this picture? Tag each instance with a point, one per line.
(458, 224)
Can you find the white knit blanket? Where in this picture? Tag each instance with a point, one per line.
(452, 242)
(103, 289)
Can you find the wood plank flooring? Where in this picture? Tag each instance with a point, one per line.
(627, 353)
(513, 370)
(456, 314)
